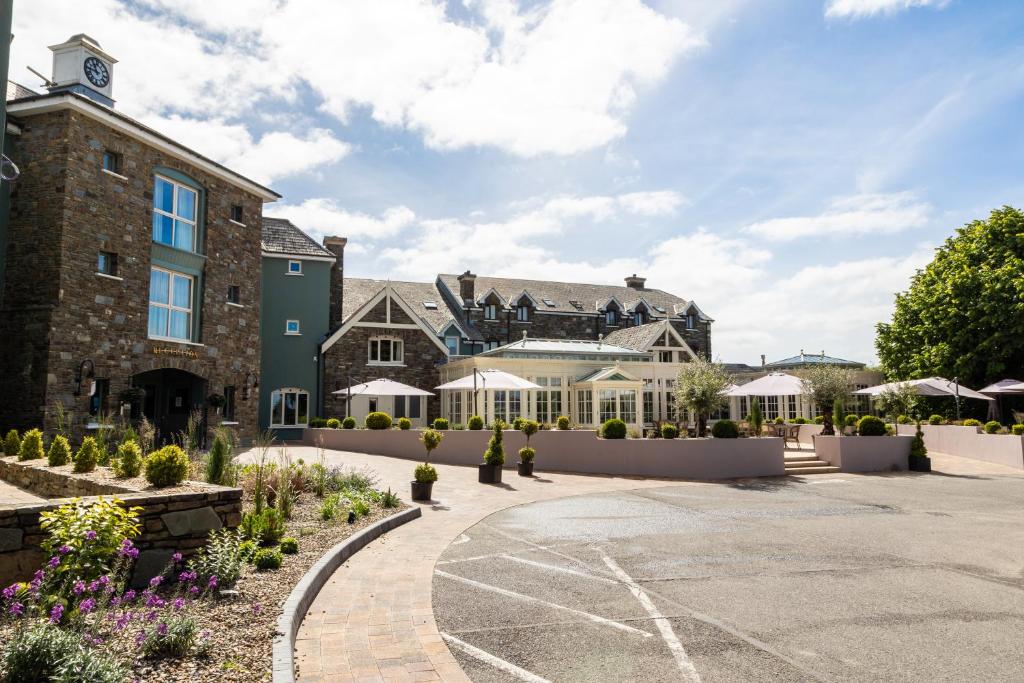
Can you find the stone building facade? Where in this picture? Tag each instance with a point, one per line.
(81, 258)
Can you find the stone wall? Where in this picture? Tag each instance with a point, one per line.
(46, 482)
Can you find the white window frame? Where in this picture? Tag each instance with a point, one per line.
(523, 313)
(170, 304)
(287, 328)
(295, 262)
(490, 311)
(278, 420)
(665, 357)
(611, 317)
(448, 344)
(396, 345)
(174, 216)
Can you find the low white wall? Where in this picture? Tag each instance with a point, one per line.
(967, 442)
(864, 453)
(578, 451)
(808, 432)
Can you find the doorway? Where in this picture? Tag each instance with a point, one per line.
(171, 396)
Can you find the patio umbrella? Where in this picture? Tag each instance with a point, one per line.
(1004, 386)
(773, 384)
(932, 386)
(489, 379)
(382, 387)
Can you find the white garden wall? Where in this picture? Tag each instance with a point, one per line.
(864, 453)
(968, 442)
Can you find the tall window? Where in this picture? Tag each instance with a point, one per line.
(174, 214)
(453, 345)
(772, 407)
(691, 321)
(670, 405)
(455, 406)
(607, 405)
(490, 312)
(229, 404)
(98, 400)
(792, 407)
(383, 350)
(743, 407)
(639, 318)
(289, 408)
(627, 406)
(514, 405)
(611, 317)
(414, 407)
(399, 406)
(500, 406)
(170, 305)
(542, 400)
(648, 405)
(555, 396)
(585, 410)
(523, 313)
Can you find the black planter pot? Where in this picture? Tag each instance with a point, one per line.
(525, 469)
(421, 490)
(920, 464)
(490, 474)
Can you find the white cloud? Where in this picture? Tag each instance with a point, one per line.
(857, 215)
(855, 9)
(320, 217)
(660, 203)
(275, 155)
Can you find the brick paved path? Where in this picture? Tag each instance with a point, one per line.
(12, 495)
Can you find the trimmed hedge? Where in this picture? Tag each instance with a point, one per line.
(334, 423)
(562, 422)
(440, 423)
(936, 420)
(60, 452)
(870, 425)
(348, 423)
(971, 422)
(377, 420)
(725, 429)
(85, 458)
(613, 429)
(669, 431)
(404, 424)
(992, 427)
(32, 446)
(476, 423)
(1017, 430)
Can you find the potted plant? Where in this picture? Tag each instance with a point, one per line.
(919, 460)
(216, 402)
(494, 457)
(527, 454)
(426, 474)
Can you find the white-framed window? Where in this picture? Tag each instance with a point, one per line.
(523, 313)
(648, 404)
(292, 327)
(490, 311)
(611, 317)
(385, 351)
(289, 407)
(294, 267)
(664, 356)
(453, 345)
(639, 318)
(491, 344)
(170, 305)
(691, 321)
(174, 214)
(608, 405)
(585, 406)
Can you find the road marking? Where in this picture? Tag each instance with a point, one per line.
(547, 549)
(556, 568)
(529, 598)
(491, 556)
(664, 627)
(496, 662)
(463, 538)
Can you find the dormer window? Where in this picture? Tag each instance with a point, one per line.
(611, 317)
(691, 321)
(639, 318)
(523, 313)
(490, 311)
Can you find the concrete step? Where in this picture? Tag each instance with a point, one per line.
(815, 469)
(809, 462)
(802, 457)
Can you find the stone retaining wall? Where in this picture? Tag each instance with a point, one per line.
(35, 477)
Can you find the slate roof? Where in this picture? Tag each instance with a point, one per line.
(280, 236)
(590, 297)
(638, 337)
(808, 359)
(16, 91)
(360, 290)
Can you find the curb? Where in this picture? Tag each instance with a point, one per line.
(302, 596)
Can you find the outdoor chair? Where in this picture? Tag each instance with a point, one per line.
(791, 433)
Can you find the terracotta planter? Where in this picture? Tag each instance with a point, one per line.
(421, 490)
(490, 474)
(525, 469)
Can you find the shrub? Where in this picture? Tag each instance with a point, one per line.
(34, 655)
(851, 420)
(289, 546)
(404, 424)
(819, 420)
(389, 499)
(31, 446)
(60, 452)
(527, 454)
(90, 534)
(335, 423)
(517, 423)
(425, 472)
(992, 427)
(562, 422)
(779, 421)
(129, 460)
(756, 417)
(166, 467)
(377, 420)
(725, 429)
(348, 423)
(330, 507)
(870, 425)
(267, 559)
(476, 423)
(12, 443)
(171, 638)
(971, 422)
(441, 423)
(902, 420)
(1017, 430)
(264, 527)
(917, 447)
(317, 423)
(459, 427)
(936, 419)
(495, 453)
(223, 556)
(85, 458)
(216, 460)
(88, 665)
(613, 429)
(800, 421)
(669, 431)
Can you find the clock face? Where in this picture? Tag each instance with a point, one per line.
(96, 71)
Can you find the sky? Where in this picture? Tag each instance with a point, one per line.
(786, 164)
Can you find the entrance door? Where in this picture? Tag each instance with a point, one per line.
(171, 395)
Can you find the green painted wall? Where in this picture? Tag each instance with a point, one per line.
(288, 360)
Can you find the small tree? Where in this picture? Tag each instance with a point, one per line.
(32, 446)
(823, 385)
(898, 399)
(495, 453)
(12, 443)
(838, 413)
(755, 417)
(217, 459)
(431, 439)
(700, 388)
(528, 428)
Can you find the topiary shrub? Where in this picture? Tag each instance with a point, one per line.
(166, 467)
(495, 453)
(851, 420)
(348, 423)
(12, 443)
(902, 420)
(377, 420)
(335, 423)
(459, 427)
(971, 422)
(1017, 430)
(527, 454)
(60, 452)
(725, 429)
(562, 422)
(404, 424)
(819, 420)
(85, 458)
(267, 559)
(289, 546)
(425, 472)
(129, 460)
(613, 429)
(317, 422)
(31, 446)
(440, 423)
(669, 431)
(936, 419)
(870, 425)
(217, 459)
(779, 421)
(476, 423)
(992, 427)
(917, 447)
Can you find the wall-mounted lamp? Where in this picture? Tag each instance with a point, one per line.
(80, 374)
(250, 382)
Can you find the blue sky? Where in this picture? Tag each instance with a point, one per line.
(785, 164)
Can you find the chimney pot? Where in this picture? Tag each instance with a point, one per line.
(634, 282)
(467, 286)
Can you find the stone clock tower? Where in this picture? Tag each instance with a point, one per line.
(80, 65)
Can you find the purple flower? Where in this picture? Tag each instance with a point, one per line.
(64, 549)
(54, 561)
(38, 576)
(187, 577)
(257, 608)
(179, 603)
(16, 609)
(161, 628)
(133, 553)
(94, 586)
(140, 638)
(212, 583)
(151, 616)
(79, 587)
(10, 591)
(104, 580)
(128, 549)
(56, 613)
(155, 581)
(193, 590)
(129, 595)
(90, 535)
(86, 605)
(176, 557)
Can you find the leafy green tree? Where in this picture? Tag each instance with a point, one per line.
(824, 384)
(963, 315)
(899, 399)
(700, 388)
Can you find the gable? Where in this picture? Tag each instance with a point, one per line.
(386, 310)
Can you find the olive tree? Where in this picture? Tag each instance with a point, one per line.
(825, 384)
(898, 399)
(700, 388)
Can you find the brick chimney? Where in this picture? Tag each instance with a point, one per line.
(336, 245)
(467, 286)
(634, 282)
